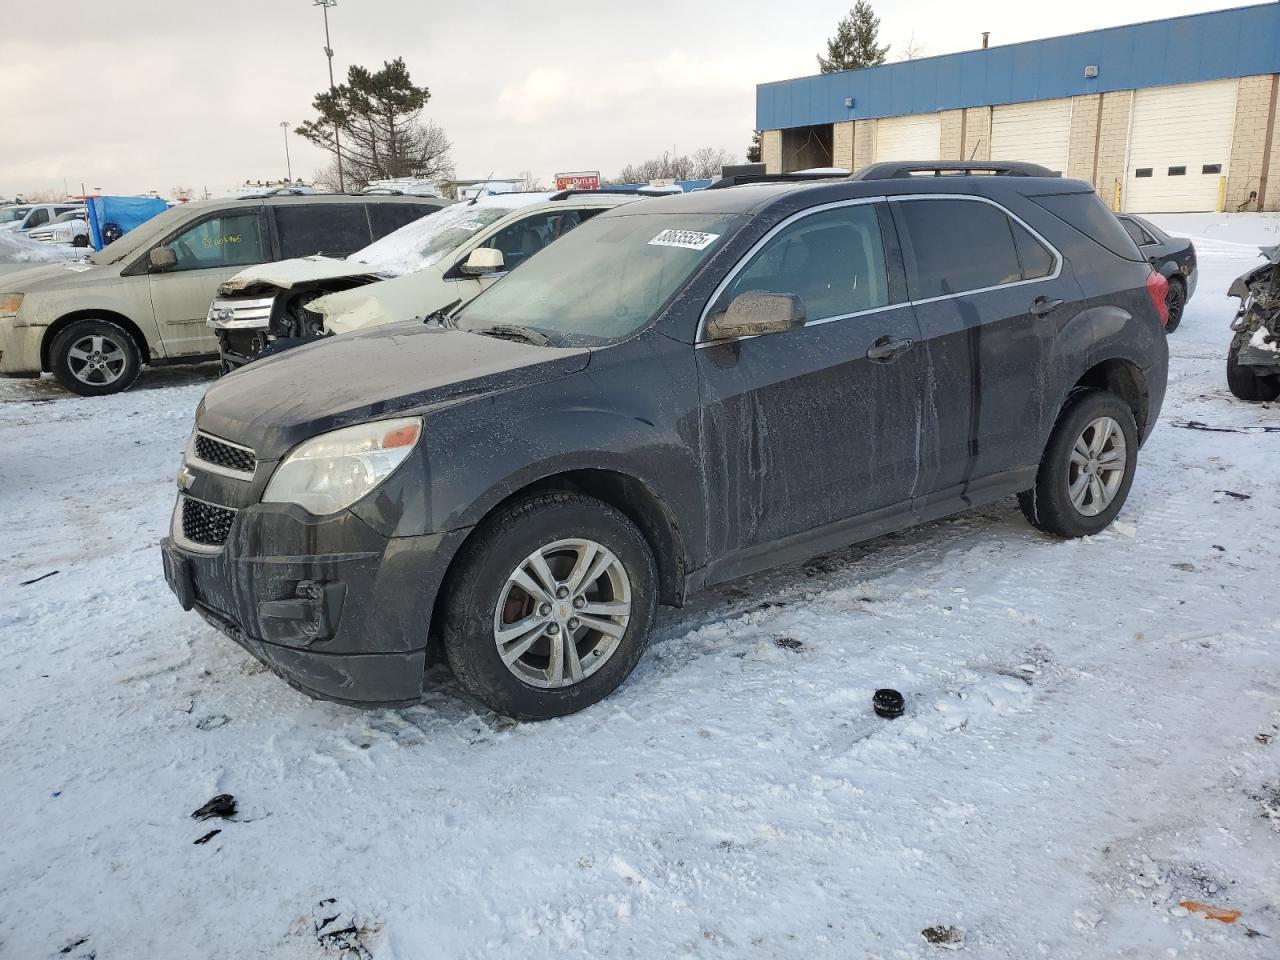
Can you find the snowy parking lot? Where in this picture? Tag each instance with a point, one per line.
(1091, 740)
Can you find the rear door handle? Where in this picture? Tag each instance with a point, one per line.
(886, 348)
(1043, 306)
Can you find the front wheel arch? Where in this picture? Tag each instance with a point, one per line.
(55, 328)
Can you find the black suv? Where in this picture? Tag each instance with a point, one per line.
(678, 393)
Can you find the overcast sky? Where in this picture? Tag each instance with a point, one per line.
(131, 95)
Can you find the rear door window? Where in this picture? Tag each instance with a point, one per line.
(959, 246)
(389, 217)
(832, 260)
(332, 229)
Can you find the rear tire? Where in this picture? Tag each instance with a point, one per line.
(1175, 302)
(1243, 382)
(532, 649)
(1087, 468)
(94, 358)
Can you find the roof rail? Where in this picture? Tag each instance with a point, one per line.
(741, 179)
(582, 191)
(892, 170)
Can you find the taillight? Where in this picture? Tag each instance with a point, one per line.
(1157, 290)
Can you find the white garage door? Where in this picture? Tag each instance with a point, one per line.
(909, 138)
(1179, 147)
(1035, 132)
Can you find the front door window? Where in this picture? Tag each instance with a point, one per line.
(229, 240)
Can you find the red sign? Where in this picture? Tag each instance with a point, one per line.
(589, 180)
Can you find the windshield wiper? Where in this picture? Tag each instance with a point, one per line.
(441, 316)
(513, 331)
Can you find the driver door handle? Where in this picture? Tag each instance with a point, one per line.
(1043, 306)
(886, 348)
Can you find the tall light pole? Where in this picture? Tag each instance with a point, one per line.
(284, 125)
(328, 52)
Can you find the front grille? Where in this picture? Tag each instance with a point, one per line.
(205, 524)
(225, 455)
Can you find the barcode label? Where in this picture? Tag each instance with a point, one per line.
(688, 239)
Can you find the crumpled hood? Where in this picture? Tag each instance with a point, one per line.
(275, 403)
(1240, 285)
(286, 273)
(408, 297)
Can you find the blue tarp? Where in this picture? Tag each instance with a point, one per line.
(124, 212)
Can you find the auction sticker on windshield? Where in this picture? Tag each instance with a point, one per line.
(689, 239)
(470, 225)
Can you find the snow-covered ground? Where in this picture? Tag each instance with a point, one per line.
(15, 248)
(1092, 733)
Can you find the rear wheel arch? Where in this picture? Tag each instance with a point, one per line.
(64, 321)
(1125, 379)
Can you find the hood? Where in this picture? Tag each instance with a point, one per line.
(275, 403)
(34, 278)
(1240, 285)
(400, 298)
(286, 273)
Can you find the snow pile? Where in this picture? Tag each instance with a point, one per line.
(1089, 757)
(423, 242)
(15, 248)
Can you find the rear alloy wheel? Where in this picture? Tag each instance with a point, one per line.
(1087, 467)
(94, 358)
(1243, 383)
(550, 606)
(1175, 301)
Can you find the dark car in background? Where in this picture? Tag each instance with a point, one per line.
(678, 393)
(1174, 258)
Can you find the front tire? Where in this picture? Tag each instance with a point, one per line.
(94, 358)
(1087, 468)
(550, 606)
(1243, 382)
(1175, 301)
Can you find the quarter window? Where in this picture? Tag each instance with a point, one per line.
(1036, 261)
(959, 245)
(231, 240)
(333, 229)
(832, 260)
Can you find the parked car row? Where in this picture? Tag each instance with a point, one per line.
(144, 299)
(676, 392)
(23, 218)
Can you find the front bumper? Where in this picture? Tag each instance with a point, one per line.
(19, 349)
(329, 604)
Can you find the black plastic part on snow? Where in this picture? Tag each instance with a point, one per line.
(888, 704)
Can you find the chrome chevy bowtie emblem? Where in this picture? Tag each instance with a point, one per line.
(185, 479)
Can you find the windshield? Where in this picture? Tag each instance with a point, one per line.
(10, 214)
(603, 282)
(421, 243)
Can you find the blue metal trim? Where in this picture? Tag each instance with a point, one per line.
(1241, 42)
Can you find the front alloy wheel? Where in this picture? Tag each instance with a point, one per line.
(562, 613)
(95, 357)
(549, 605)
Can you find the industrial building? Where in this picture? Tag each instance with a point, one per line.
(1167, 116)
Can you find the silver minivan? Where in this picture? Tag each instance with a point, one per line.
(145, 298)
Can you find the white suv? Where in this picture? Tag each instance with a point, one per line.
(447, 258)
(21, 217)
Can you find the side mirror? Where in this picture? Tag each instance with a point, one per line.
(756, 314)
(483, 260)
(163, 258)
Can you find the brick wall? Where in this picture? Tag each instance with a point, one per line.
(771, 151)
(842, 145)
(1272, 198)
(1249, 142)
(1082, 152)
(864, 143)
(1113, 143)
(977, 133)
(951, 146)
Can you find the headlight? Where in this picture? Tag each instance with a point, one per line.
(9, 304)
(334, 470)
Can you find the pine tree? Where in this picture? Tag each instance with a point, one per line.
(854, 46)
(755, 152)
(379, 117)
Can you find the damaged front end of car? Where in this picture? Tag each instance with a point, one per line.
(1257, 323)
